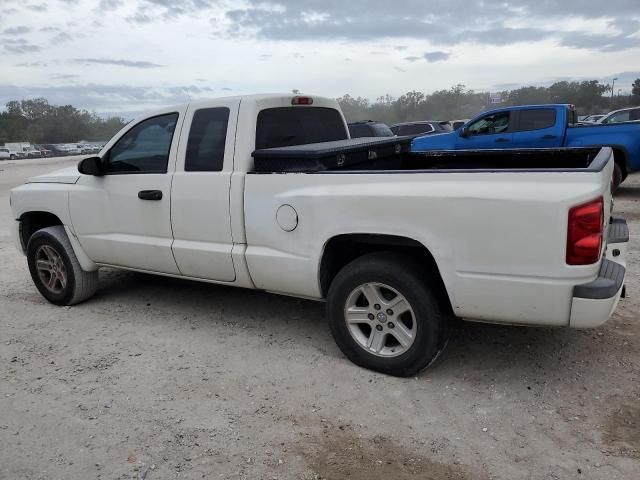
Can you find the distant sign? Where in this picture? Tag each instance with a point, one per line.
(495, 97)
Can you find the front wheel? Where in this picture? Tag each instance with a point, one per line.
(55, 270)
(384, 315)
(12, 157)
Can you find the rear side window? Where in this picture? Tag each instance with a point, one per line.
(381, 130)
(144, 148)
(536, 119)
(415, 129)
(207, 137)
(357, 131)
(287, 126)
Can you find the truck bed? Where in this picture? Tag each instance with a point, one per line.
(393, 155)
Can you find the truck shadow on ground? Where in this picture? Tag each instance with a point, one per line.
(474, 347)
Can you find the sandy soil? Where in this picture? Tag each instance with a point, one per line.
(158, 378)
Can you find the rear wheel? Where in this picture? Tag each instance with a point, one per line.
(12, 157)
(384, 315)
(55, 270)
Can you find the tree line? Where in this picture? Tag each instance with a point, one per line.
(459, 102)
(36, 121)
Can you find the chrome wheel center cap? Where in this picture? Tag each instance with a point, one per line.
(381, 317)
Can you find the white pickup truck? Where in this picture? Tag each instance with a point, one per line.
(268, 192)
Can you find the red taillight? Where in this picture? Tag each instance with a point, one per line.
(584, 232)
(302, 101)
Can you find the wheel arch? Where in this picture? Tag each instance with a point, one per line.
(31, 222)
(621, 157)
(342, 249)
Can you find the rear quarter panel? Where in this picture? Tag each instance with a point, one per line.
(498, 238)
(624, 135)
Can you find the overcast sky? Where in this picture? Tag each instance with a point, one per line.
(130, 55)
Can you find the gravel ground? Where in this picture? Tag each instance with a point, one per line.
(160, 378)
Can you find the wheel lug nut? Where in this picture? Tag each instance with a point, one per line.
(376, 306)
(389, 311)
(390, 325)
(379, 328)
(371, 316)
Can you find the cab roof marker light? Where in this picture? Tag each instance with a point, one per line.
(302, 101)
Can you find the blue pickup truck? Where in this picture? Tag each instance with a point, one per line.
(540, 126)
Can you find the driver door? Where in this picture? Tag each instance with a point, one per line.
(123, 217)
(492, 131)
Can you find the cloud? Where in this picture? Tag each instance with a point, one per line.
(412, 59)
(112, 61)
(64, 76)
(108, 5)
(152, 10)
(16, 30)
(61, 37)
(112, 98)
(38, 63)
(37, 7)
(19, 46)
(452, 23)
(436, 56)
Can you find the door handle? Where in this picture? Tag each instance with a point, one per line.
(150, 194)
(502, 140)
(548, 137)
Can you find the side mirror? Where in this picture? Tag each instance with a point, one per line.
(91, 166)
(464, 132)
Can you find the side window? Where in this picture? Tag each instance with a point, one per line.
(357, 131)
(208, 134)
(619, 117)
(634, 114)
(494, 123)
(144, 148)
(416, 129)
(536, 119)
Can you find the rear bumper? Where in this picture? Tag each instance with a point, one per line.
(594, 302)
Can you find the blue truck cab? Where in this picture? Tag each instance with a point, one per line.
(540, 126)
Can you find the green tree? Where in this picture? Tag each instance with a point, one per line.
(36, 121)
(635, 90)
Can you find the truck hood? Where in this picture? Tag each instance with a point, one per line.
(65, 175)
(437, 141)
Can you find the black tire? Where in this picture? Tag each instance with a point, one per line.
(12, 157)
(432, 322)
(79, 284)
(617, 176)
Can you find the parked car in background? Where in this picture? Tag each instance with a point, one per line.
(591, 118)
(369, 128)
(396, 243)
(456, 124)
(72, 149)
(85, 148)
(7, 154)
(54, 149)
(541, 126)
(32, 152)
(44, 152)
(622, 115)
(421, 127)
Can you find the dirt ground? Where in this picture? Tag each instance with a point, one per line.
(158, 378)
